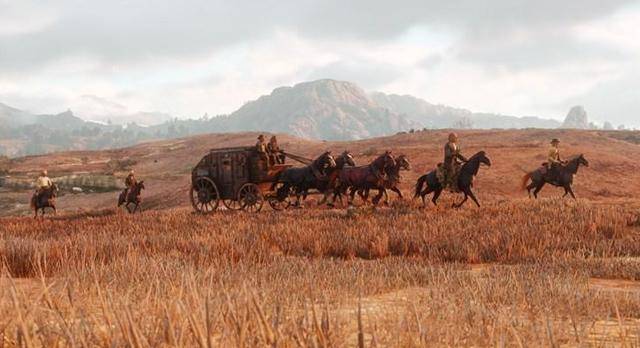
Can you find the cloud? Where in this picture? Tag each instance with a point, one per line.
(196, 56)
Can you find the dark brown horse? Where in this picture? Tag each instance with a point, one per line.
(46, 198)
(391, 180)
(134, 196)
(464, 182)
(331, 185)
(540, 177)
(371, 176)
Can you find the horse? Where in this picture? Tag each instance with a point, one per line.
(392, 180)
(304, 178)
(370, 176)
(565, 179)
(331, 185)
(464, 181)
(46, 198)
(132, 197)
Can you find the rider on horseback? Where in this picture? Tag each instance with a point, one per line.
(43, 182)
(129, 182)
(453, 160)
(554, 163)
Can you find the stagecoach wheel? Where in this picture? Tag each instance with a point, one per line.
(277, 200)
(204, 195)
(232, 204)
(250, 198)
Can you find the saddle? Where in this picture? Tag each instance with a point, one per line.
(547, 174)
(441, 175)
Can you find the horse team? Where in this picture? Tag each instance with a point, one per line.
(341, 177)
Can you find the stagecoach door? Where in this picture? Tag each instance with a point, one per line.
(232, 173)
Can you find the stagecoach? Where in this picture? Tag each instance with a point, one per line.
(239, 177)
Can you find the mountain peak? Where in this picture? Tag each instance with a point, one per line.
(576, 118)
(321, 109)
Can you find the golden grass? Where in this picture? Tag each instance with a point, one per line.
(323, 277)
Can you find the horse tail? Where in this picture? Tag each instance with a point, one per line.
(525, 180)
(419, 185)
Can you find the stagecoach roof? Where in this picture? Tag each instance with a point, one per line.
(233, 149)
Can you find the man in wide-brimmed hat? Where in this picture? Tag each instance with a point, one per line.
(261, 145)
(554, 162)
(453, 160)
(43, 182)
(275, 154)
(129, 182)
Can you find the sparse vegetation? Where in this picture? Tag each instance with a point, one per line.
(298, 278)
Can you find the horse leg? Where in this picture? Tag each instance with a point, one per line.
(364, 195)
(352, 195)
(376, 199)
(464, 200)
(325, 196)
(473, 196)
(537, 190)
(397, 190)
(339, 194)
(530, 187)
(436, 195)
(568, 188)
(423, 194)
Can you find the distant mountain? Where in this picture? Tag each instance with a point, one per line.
(576, 119)
(323, 109)
(442, 116)
(12, 117)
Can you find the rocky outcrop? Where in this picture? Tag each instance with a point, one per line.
(323, 109)
(576, 119)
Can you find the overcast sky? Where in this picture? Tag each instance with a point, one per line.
(517, 57)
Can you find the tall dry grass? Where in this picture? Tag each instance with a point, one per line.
(299, 278)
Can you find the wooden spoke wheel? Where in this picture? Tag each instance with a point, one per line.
(279, 200)
(204, 194)
(250, 198)
(232, 204)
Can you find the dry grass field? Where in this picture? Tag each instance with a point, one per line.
(515, 272)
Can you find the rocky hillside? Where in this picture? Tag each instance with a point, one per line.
(442, 116)
(323, 109)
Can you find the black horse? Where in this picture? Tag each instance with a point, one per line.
(46, 198)
(464, 182)
(540, 177)
(300, 180)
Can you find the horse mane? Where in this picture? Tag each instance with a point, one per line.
(478, 154)
(576, 157)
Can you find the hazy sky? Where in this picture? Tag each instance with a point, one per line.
(188, 57)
